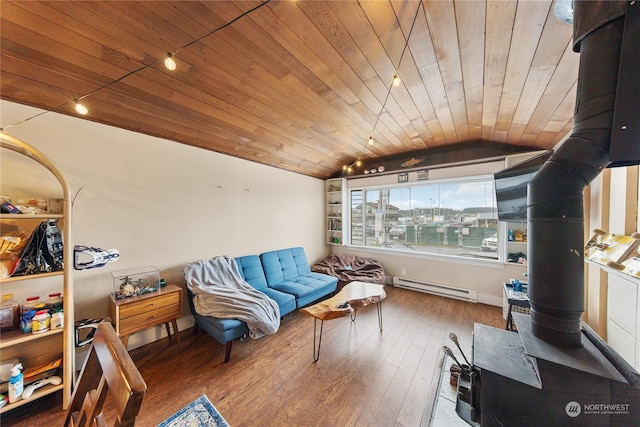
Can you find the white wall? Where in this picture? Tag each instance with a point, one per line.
(486, 277)
(160, 203)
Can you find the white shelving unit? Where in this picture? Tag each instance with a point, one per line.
(36, 349)
(335, 200)
(514, 246)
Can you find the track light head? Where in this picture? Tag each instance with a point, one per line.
(170, 63)
(81, 109)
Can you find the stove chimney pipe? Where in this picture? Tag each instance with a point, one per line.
(555, 195)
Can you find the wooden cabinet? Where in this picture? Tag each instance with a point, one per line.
(135, 314)
(36, 349)
(335, 199)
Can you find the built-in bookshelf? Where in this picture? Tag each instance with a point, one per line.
(334, 226)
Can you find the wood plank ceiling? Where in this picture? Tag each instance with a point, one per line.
(299, 85)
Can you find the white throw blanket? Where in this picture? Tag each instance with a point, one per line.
(220, 291)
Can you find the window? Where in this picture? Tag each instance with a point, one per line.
(453, 217)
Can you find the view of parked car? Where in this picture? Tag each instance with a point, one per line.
(399, 231)
(490, 243)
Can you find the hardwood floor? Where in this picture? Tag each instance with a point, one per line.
(364, 377)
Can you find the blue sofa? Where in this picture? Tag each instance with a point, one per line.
(283, 275)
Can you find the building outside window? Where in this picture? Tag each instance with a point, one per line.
(454, 217)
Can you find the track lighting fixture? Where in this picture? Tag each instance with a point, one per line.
(395, 82)
(169, 63)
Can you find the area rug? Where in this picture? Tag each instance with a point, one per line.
(199, 413)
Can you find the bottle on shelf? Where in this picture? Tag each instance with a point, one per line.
(16, 383)
(41, 322)
(57, 320)
(29, 309)
(32, 303)
(54, 303)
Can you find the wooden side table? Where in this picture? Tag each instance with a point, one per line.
(343, 304)
(137, 313)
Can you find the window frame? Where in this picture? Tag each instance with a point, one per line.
(368, 185)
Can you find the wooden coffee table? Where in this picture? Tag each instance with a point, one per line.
(344, 304)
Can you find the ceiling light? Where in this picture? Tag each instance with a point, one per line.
(370, 140)
(170, 63)
(81, 109)
(564, 11)
(396, 81)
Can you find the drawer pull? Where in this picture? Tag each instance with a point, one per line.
(152, 317)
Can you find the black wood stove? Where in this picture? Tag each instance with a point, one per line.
(521, 380)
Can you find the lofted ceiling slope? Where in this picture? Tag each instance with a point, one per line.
(299, 85)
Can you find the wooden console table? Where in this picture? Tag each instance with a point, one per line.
(343, 304)
(141, 312)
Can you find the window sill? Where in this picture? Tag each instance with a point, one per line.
(452, 259)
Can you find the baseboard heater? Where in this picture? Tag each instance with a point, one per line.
(442, 290)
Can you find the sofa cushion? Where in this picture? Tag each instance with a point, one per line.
(287, 270)
(286, 302)
(222, 330)
(284, 264)
(307, 289)
(250, 268)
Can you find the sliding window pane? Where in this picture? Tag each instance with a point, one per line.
(452, 218)
(357, 218)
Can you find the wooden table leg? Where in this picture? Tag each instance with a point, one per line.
(166, 325)
(177, 332)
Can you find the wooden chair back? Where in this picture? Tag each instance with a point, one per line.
(108, 370)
